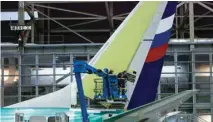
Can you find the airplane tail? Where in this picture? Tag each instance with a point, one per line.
(126, 49)
(119, 51)
(145, 89)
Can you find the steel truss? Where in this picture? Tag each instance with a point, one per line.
(185, 25)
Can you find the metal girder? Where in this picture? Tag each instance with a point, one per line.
(47, 2)
(2, 83)
(191, 20)
(48, 26)
(176, 26)
(66, 10)
(21, 13)
(207, 25)
(26, 35)
(180, 4)
(195, 20)
(73, 18)
(83, 30)
(58, 1)
(178, 16)
(181, 25)
(82, 23)
(208, 2)
(65, 26)
(186, 29)
(21, 20)
(20, 78)
(203, 16)
(119, 18)
(33, 25)
(124, 14)
(205, 6)
(203, 28)
(32, 18)
(196, 16)
(109, 15)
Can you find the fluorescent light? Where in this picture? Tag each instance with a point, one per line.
(13, 16)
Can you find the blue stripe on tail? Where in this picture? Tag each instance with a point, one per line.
(146, 88)
(170, 9)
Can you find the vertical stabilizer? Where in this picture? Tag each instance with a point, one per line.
(145, 89)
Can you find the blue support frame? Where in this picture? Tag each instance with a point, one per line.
(82, 98)
(109, 90)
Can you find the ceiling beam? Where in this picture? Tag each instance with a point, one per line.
(205, 6)
(123, 14)
(67, 10)
(109, 15)
(81, 23)
(73, 18)
(81, 30)
(70, 30)
(180, 4)
(59, 2)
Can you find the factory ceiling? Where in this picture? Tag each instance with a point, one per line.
(96, 21)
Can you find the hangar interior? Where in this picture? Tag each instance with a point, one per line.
(63, 30)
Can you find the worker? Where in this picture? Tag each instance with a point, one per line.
(123, 85)
(111, 71)
(121, 82)
(124, 74)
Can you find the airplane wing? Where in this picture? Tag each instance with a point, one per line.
(154, 110)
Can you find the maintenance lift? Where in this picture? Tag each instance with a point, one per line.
(109, 90)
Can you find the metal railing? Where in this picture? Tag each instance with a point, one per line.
(47, 39)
